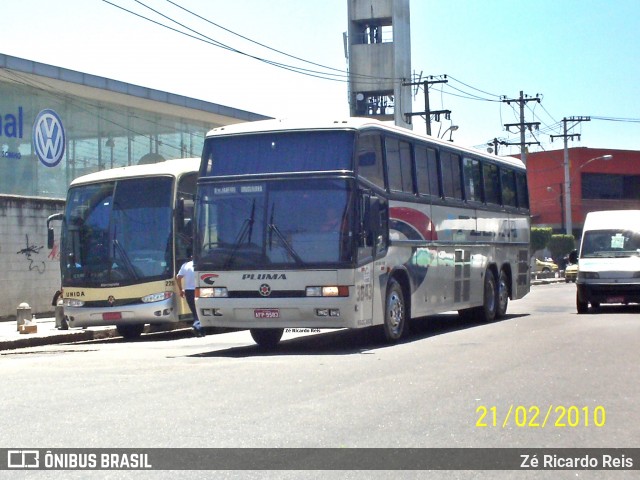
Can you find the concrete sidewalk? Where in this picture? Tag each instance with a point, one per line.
(48, 334)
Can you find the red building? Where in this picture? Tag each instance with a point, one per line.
(600, 179)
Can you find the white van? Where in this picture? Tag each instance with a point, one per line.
(609, 260)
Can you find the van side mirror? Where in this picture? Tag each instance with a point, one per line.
(573, 256)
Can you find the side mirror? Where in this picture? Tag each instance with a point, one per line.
(50, 233)
(573, 256)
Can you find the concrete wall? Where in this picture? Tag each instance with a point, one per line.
(30, 272)
(375, 68)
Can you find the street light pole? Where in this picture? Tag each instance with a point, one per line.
(451, 129)
(567, 181)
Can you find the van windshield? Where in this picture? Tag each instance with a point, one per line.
(610, 243)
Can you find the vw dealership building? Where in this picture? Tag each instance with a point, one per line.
(58, 124)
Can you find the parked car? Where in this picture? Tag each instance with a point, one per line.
(546, 266)
(571, 272)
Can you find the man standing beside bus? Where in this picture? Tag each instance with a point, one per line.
(187, 291)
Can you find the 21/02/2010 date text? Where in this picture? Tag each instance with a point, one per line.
(557, 416)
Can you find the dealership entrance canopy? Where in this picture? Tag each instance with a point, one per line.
(58, 124)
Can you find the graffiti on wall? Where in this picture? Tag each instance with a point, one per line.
(29, 251)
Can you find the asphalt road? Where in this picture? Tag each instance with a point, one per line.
(451, 384)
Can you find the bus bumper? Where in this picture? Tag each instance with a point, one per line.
(293, 313)
(156, 312)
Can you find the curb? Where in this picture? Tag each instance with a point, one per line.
(71, 336)
(80, 336)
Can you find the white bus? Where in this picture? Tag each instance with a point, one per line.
(125, 233)
(419, 226)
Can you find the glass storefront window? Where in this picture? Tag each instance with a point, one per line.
(97, 136)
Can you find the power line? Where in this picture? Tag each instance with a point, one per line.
(616, 119)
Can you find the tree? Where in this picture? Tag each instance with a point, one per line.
(540, 238)
(561, 245)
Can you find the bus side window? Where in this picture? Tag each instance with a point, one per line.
(491, 183)
(472, 179)
(523, 191)
(369, 159)
(508, 181)
(451, 179)
(426, 171)
(399, 171)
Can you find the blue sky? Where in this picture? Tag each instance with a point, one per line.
(580, 56)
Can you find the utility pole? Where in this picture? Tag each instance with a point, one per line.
(427, 111)
(567, 173)
(494, 144)
(522, 125)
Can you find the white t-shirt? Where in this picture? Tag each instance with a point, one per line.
(188, 276)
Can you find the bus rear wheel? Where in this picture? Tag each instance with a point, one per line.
(395, 313)
(267, 337)
(489, 309)
(503, 294)
(130, 332)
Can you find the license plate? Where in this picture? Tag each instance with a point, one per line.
(110, 316)
(615, 300)
(266, 313)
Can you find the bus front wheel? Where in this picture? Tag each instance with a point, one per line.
(395, 313)
(130, 332)
(267, 337)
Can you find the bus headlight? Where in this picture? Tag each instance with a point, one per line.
(331, 291)
(212, 292)
(156, 297)
(72, 302)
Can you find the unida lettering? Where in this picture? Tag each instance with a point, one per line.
(264, 276)
(74, 294)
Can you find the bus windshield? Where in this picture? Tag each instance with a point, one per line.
(275, 224)
(278, 152)
(117, 232)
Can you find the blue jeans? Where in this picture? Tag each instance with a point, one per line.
(190, 297)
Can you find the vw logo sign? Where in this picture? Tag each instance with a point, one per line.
(265, 290)
(49, 138)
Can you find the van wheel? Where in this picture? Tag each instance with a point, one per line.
(582, 307)
(395, 313)
(503, 294)
(130, 332)
(267, 338)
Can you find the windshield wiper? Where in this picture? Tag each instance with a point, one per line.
(273, 228)
(126, 260)
(245, 231)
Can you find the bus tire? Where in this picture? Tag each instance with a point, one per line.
(395, 313)
(130, 332)
(503, 294)
(267, 337)
(487, 312)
